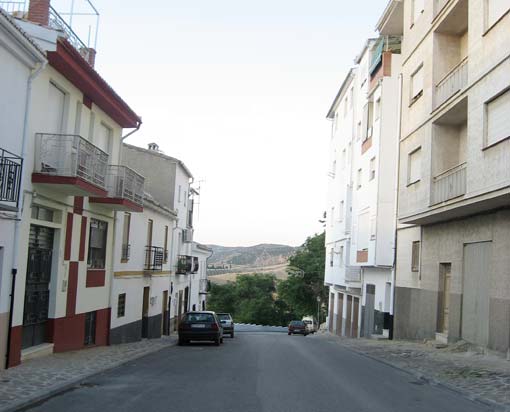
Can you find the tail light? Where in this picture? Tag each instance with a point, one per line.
(214, 326)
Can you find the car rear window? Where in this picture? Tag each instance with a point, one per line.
(199, 317)
(296, 323)
(224, 316)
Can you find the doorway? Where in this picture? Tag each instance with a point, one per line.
(145, 312)
(348, 316)
(179, 307)
(90, 329)
(37, 288)
(355, 317)
(340, 314)
(164, 314)
(443, 298)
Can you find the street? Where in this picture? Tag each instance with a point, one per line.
(255, 372)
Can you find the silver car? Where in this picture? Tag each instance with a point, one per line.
(227, 323)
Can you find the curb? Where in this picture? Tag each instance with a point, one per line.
(54, 390)
(432, 381)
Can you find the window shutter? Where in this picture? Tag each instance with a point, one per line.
(498, 120)
(417, 83)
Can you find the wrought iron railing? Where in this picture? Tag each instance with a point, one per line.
(58, 23)
(455, 80)
(449, 184)
(154, 258)
(11, 166)
(384, 43)
(125, 252)
(184, 265)
(70, 155)
(124, 183)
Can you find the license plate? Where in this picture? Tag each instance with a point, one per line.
(198, 325)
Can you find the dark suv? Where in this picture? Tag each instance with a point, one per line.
(200, 326)
(227, 323)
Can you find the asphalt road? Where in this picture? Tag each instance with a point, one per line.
(258, 372)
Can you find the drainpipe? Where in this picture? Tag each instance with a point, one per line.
(393, 272)
(17, 226)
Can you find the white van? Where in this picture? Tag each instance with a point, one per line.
(311, 324)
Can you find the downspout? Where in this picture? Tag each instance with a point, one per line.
(393, 272)
(17, 226)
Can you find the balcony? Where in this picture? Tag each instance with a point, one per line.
(154, 258)
(184, 265)
(384, 44)
(449, 184)
(125, 190)
(439, 5)
(10, 180)
(70, 164)
(454, 81)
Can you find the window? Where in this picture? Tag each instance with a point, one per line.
(414, 167)
(415, 257)
(180, 194)
(97, 244)
(331, 257)
(103, 139)
(497, 119)
(418, 8)
(363, 231)
(378, 108)
(341, 211)
(359, 178)
(55, 106)
(125, 237)
(166, 244)
(121, 305)
(495, 9)
(417, 83)
(41, 213)
(372, 169)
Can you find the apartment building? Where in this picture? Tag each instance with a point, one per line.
(454, 177)
(360, 232)
(168, 180)
(22, 60)
(73, 184)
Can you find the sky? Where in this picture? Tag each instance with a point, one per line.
(238, 90)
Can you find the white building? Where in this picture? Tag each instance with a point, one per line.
(454, 189)
(360, 230)
(73, 184)
(21, 61)
(168, 180)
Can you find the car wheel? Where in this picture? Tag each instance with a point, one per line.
(232, 335)
(289, 333)
(221, 340)
(217, 341)
(180, 342)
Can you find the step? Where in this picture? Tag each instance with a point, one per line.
(44, 349)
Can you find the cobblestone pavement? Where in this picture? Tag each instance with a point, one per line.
(37, 378)
(476, 375)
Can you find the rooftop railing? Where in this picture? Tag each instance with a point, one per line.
(124, 183)
(16, 8)
(449, 184)
(72, 156)
(10, 179)
(58, 23)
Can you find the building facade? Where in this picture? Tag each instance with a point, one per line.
(360, 232)
(73, 184)
(22, 60)
(453, 279)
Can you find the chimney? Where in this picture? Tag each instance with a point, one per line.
(39, 12)
(91, 56)
(154, 147)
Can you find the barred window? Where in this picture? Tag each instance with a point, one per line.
(121, 305)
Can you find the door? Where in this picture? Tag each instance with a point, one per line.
(355, 317)
(37, 288)
(186, 298)
(443, 298)
(475, 293)
(90, 328)
(348, 317)
(340, 314)
(164, 314)
(145, 312)
(369, 321)
(331, 311)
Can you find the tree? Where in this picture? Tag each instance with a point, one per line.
(305, 280)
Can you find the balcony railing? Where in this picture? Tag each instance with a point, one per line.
(154, 258)
(449, 184)
(385, 43)
(184, 265)
(124, 183)
(10, 179)
(455, 80)
(71, 156)
(16, 8)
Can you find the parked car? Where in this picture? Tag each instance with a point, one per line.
(311, 324)
(227, 323)
(297, 326)
(200, 326)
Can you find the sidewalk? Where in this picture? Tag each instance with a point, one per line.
(474, 374)
(39, 378)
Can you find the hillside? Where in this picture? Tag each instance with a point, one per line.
(258, 256)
